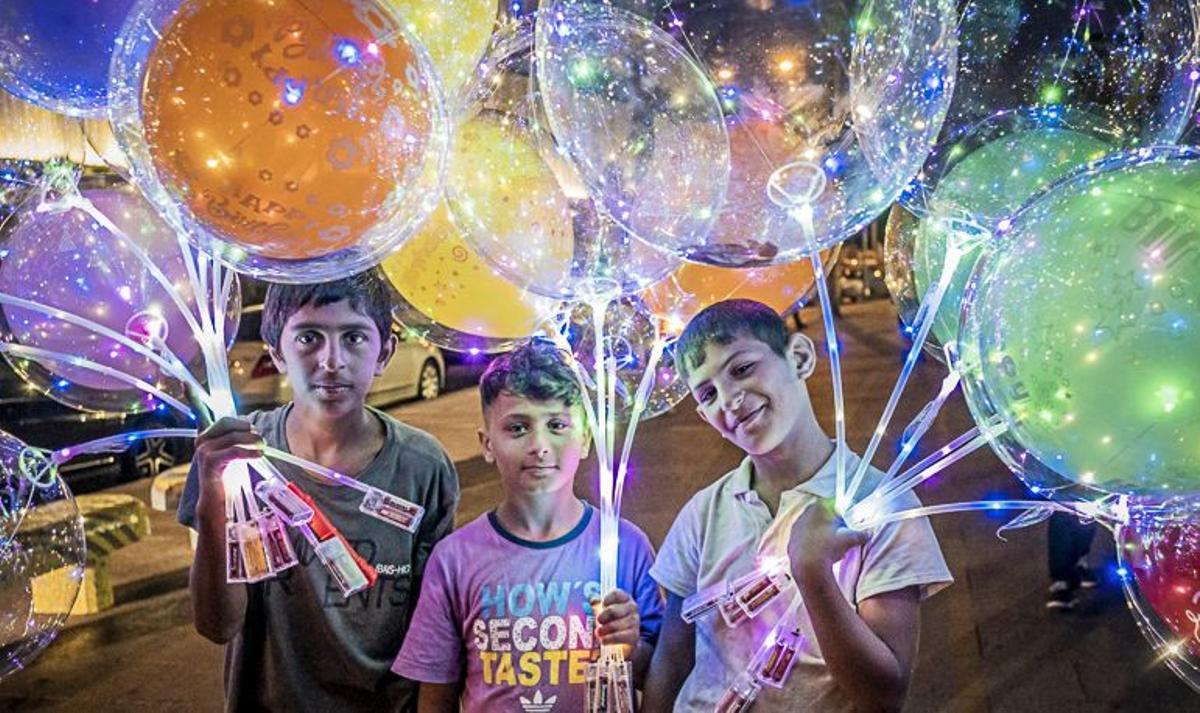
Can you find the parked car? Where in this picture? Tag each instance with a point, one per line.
(417, 370)
(43, 423)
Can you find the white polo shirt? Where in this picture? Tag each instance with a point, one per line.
(715, 538)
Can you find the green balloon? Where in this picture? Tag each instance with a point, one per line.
(986, 185)
(1083, 331)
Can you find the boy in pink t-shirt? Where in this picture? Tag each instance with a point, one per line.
(505, 619)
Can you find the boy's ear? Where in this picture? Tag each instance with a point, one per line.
(277, 359)
(802, 353)
(485, 445)
(387, 350)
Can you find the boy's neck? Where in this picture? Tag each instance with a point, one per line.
(347, 443)
(541, 517)
(795, 461)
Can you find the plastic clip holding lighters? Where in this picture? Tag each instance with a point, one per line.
(283, 501)
(774, 661)
(391, 509)
(740, 695)
(280, 554)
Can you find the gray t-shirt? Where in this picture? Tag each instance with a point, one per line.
(303, 645)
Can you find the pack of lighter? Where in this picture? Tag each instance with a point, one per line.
(349, 571)
(753, 593)
(235, 568)
(391, 509)
(283, 501)
(280, 554)
(740, 695)
(775, 659)
(254, 552)
(609, 687)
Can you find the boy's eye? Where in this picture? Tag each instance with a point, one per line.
(706, 395)
(306, 338)
(517, 429)
(558, 426)
(356, 338)
(743, 368)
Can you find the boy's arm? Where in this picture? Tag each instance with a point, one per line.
(437, 698)
(869, 651)
(218, 607)
(673, 659)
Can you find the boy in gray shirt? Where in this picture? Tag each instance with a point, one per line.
(294, 642)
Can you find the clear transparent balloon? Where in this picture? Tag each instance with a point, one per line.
(321, 143)
(638, 116)
(629, 336)
(62, 254)
(1080, 330)
(829, 107)
(1159, 554)
(42, 553)
(1007, 159)
(1129, 66)
(54, 53)
(519, 201)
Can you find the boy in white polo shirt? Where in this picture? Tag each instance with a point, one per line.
(861, 591)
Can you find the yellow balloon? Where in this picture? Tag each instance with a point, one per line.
(509, 203)
(443, 278)
(454, 32)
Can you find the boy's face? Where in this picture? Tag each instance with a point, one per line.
(331, 354)
(536, 445)
(752, 396)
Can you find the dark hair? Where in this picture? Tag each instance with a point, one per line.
(723, 322)
(367, 292)
(535, 370)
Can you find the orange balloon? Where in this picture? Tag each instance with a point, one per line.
(693, 287)
(285, 126)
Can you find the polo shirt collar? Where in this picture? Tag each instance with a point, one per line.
(822, 484)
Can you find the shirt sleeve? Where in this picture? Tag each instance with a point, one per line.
(677, 567)
(433, 650)
(903, 554)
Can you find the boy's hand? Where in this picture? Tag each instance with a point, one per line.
(227, 440)
(819, 539)
(617, 621)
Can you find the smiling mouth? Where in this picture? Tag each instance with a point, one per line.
(748, 417)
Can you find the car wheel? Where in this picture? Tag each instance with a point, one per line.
(429, 387)
(151, 456)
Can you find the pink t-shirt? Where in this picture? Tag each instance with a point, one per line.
(511, 617)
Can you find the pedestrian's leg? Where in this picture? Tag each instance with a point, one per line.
(1061, 549)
